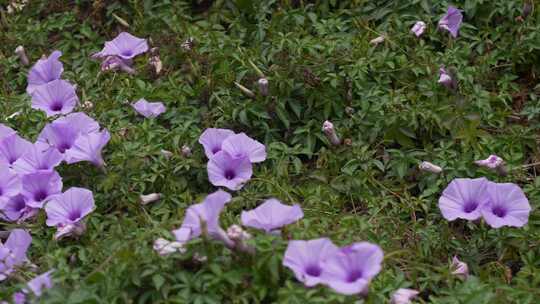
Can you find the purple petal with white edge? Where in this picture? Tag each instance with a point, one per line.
(508, 206)
(271, 215)
(306, 259)
(12, 148)
(241, 145)
(55, 97)
(125, 46)
(69, 207)
(212, 139)
(149, 109)
(464, 198)
(44, 71)
(36, 159)
(232, 173)
(88, 147)
(39, 187)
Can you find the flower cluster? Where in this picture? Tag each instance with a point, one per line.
(118, 54)
(230, 157)
(499, 204)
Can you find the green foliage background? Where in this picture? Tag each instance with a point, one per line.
(320, 65)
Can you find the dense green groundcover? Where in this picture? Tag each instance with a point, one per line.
(320, 65)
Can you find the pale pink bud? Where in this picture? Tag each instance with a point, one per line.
(403, 296)
(377, 40)
(418, 28)
(167, 154)
(460, 269)
(492, 162)
(186, 151)
(87, 105)
(21, 53)
(149, 198)
(429, 167)
(239, 236)
(156, 64)
(263, 86)
(330, 132)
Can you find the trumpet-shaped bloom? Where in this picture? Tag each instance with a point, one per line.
(307, 258)
(232, 173)
(13, 252)
(350, 270)
(39, 187)
(69, 207)
(205, 214)
(15, 208)
(451, 21)
(125, 46)
(55, 97)
(10, 182)
(5, 131)
(45, 71)
(40, 283)
(418, 28)
(62, 133)
(508, 206)
(464, 198)
(37, 159)
(149, 109)
(241, 145)
(12, 148)
(88, 147)
(212, 139)
(271, 215)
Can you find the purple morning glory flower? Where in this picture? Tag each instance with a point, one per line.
(350, 270)
(507, 206)
(451, 21)
(241, 145)
(5, 131)
(212, 139)
(306, 259)
(13, 252)
(149, 109)
(41, 282)
(39, 187)
(62, 133)
(65, 211)
(125, 46)
(10, 183)
(403, 296)
(12, 148)
(446, 79)
(232, 173)
(55, 97)
(45, 71)
(19, 298)
(208, 212)
(418, 28)
(37, 159)
(88, 147)
(15, 209)
(271, 215)
(464, 198)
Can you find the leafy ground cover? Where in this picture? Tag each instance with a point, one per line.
(384, 101)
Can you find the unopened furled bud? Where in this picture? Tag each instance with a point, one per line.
(164, 247)
(429, 167)
(403, 296)
(188, 44)
(149, 198)
(377, 40)
(87, 105)
(459, 268)
(263, 86)
(186, 151)
(21, 53)
(167, 154)
(330, 132)
(493, 162)
(156, 64)
(447, 79)
(245, 90)
(418, 28)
